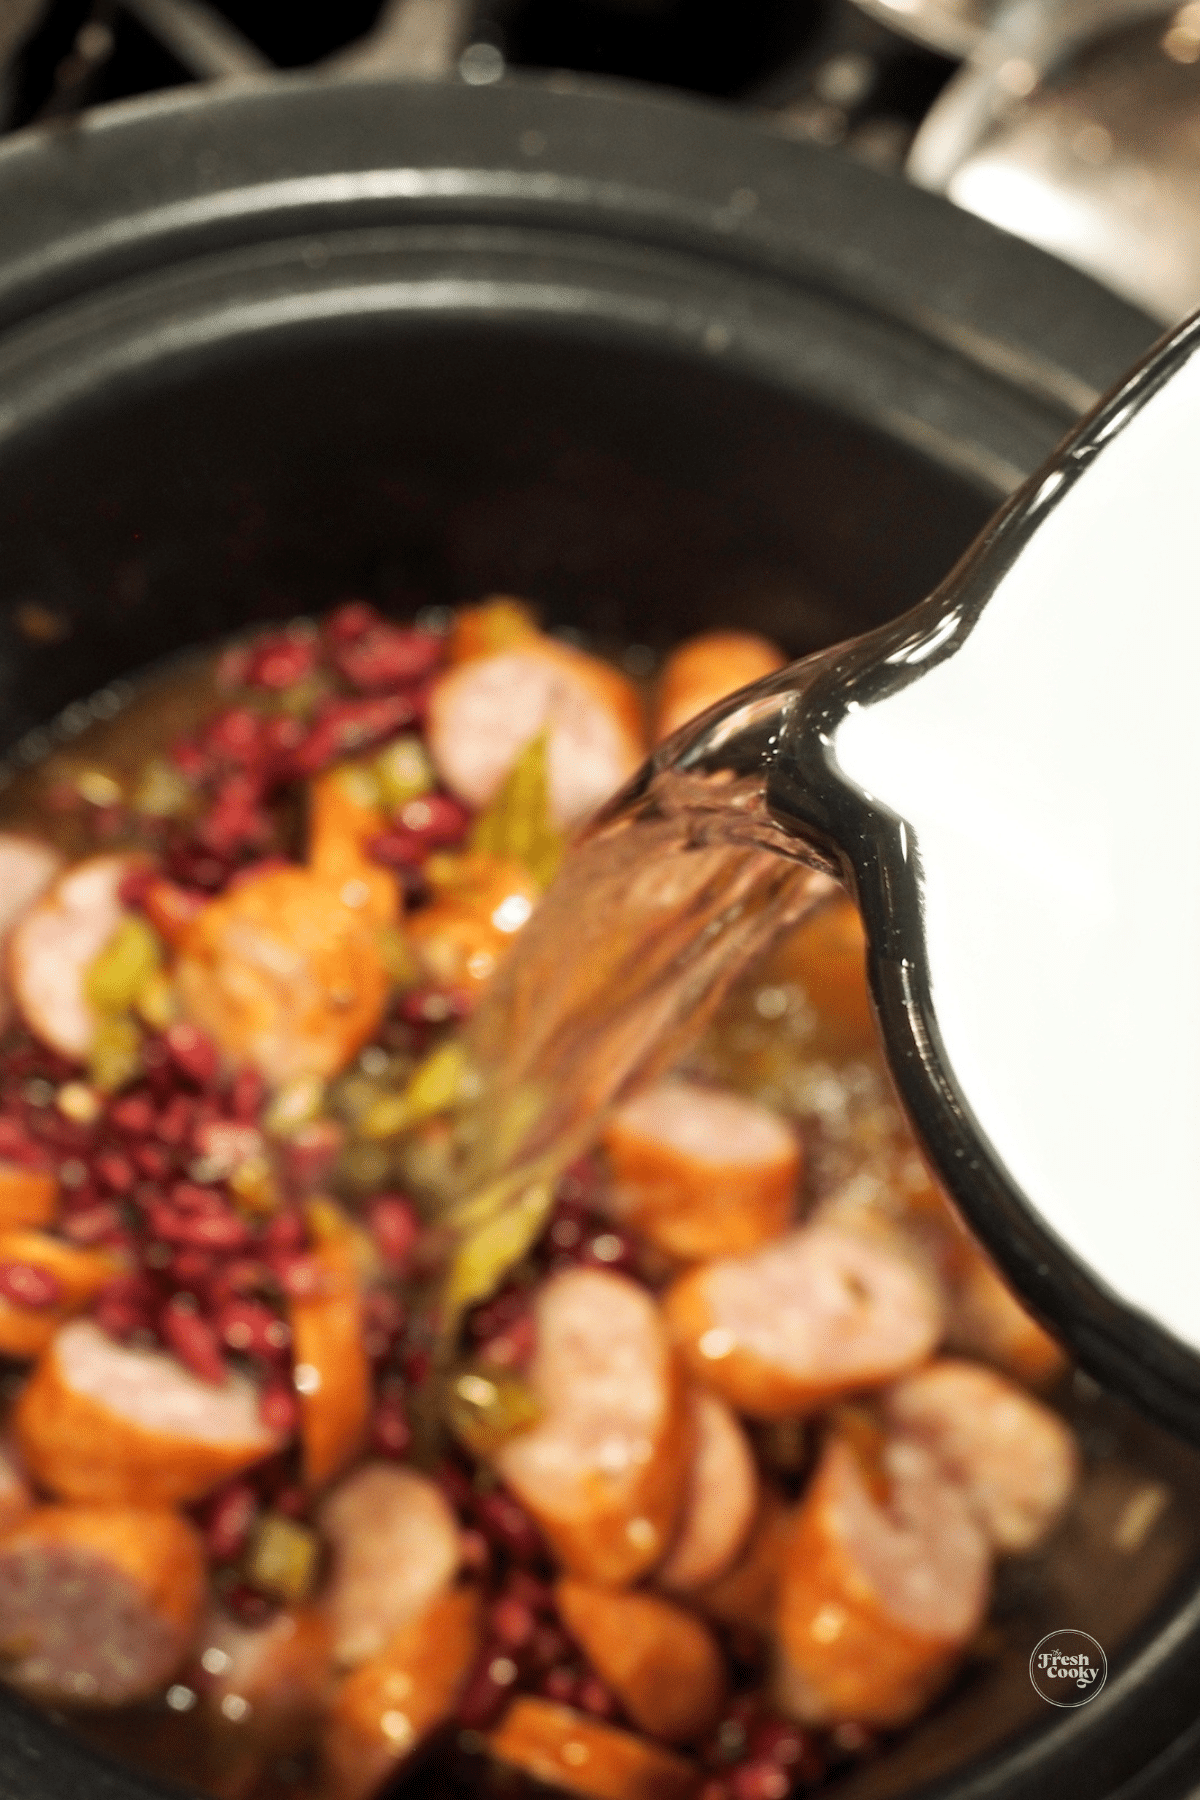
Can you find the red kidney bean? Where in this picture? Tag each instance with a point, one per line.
(92, 1224)
(395, 1228)
(561, 1684)
(174, 1123)
(193, 1341)
(513, 1348)
(532, 1592)
(279, 1408)
(299, 1275)
(16, 1146)
(436, 819)
(247, 1605)
(227, 1521)
(345, 726)
(134, 885)
(510, 1527)
(234, 735)
(715, 1789)
(152, 1161)
(189, 759)
(384, 1320)
(134, 1114)
(475, 1552)
(279, 662)
(387, 656)
(235, 821)
(548, 1647)
(759, 1781)
(247, 1093)
(113, 1172)
(291, 1501)
(253, 1329)
(417, 1364)
(455, 1483)
(192, 1053)
(285, 1230)
(350, 620)
(788, 1745)
(436, 1006)
(512, 1622)
(593, 1697)
(391, 1434)
(26, 1285)
(190, 866)
(191, 1269)
(235, 1278)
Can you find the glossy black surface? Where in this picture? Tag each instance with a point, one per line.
(266, 348)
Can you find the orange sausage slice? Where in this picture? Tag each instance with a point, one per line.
(27, 868)
(384, 1709)
(1015, 1458)
(27, 1196)
(662, 1663)
(52, 945)
(827, 956)
(605, 1469)
(25, 1331)
(985, 1319)
(483, 712)
(395, 1544)
(705, 669)
(283, 972)
(565, 1749)
(263, 1689)
(499, 623)
(97, 1604)
(330, 1366)
(885, 1580)
(481, 902)
(340, 825)
(700, 1171)
(99, 1421)
(721, 1503)
(746, 1595)
(816, 1314)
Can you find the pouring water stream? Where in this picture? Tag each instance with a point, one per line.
(990, 775)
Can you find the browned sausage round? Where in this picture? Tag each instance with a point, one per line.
(263, 1688)
(566, 1749)
(52, 945)
(99, 1421)
(1015, 1458)
(97, 1604)
(815, 1315)
(661, 1662)
(395, 1544)
(605, 1469)
(721, 1501)
(700, 1171)
(26, 870)
(482, 714)
(705, 669)
(885, 1580)
(384, 1708)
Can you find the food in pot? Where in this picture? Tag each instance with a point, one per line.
(705, 1496)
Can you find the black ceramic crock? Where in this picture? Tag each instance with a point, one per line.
(639, 359)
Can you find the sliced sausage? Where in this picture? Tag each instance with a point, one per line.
(51, 948)
(97, 1604)
(700, 1171)
(566, 1749)
(73, 1276)
(706, 669)
(483, 712)
(99, 1421)
(661, 1662)
(885, 1580)
(26, 870)
(395, 1544)
(15, 1495)
(827, 957)
(746, 1595)
(27, 1196)
(340, 825)
(263, 1688)
(721, 1501)
(1016, 1459)
(816, 1314)
(331, 1369)
(985, 1319)
(605, 1469)
(285, 971)
(385, 1707)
